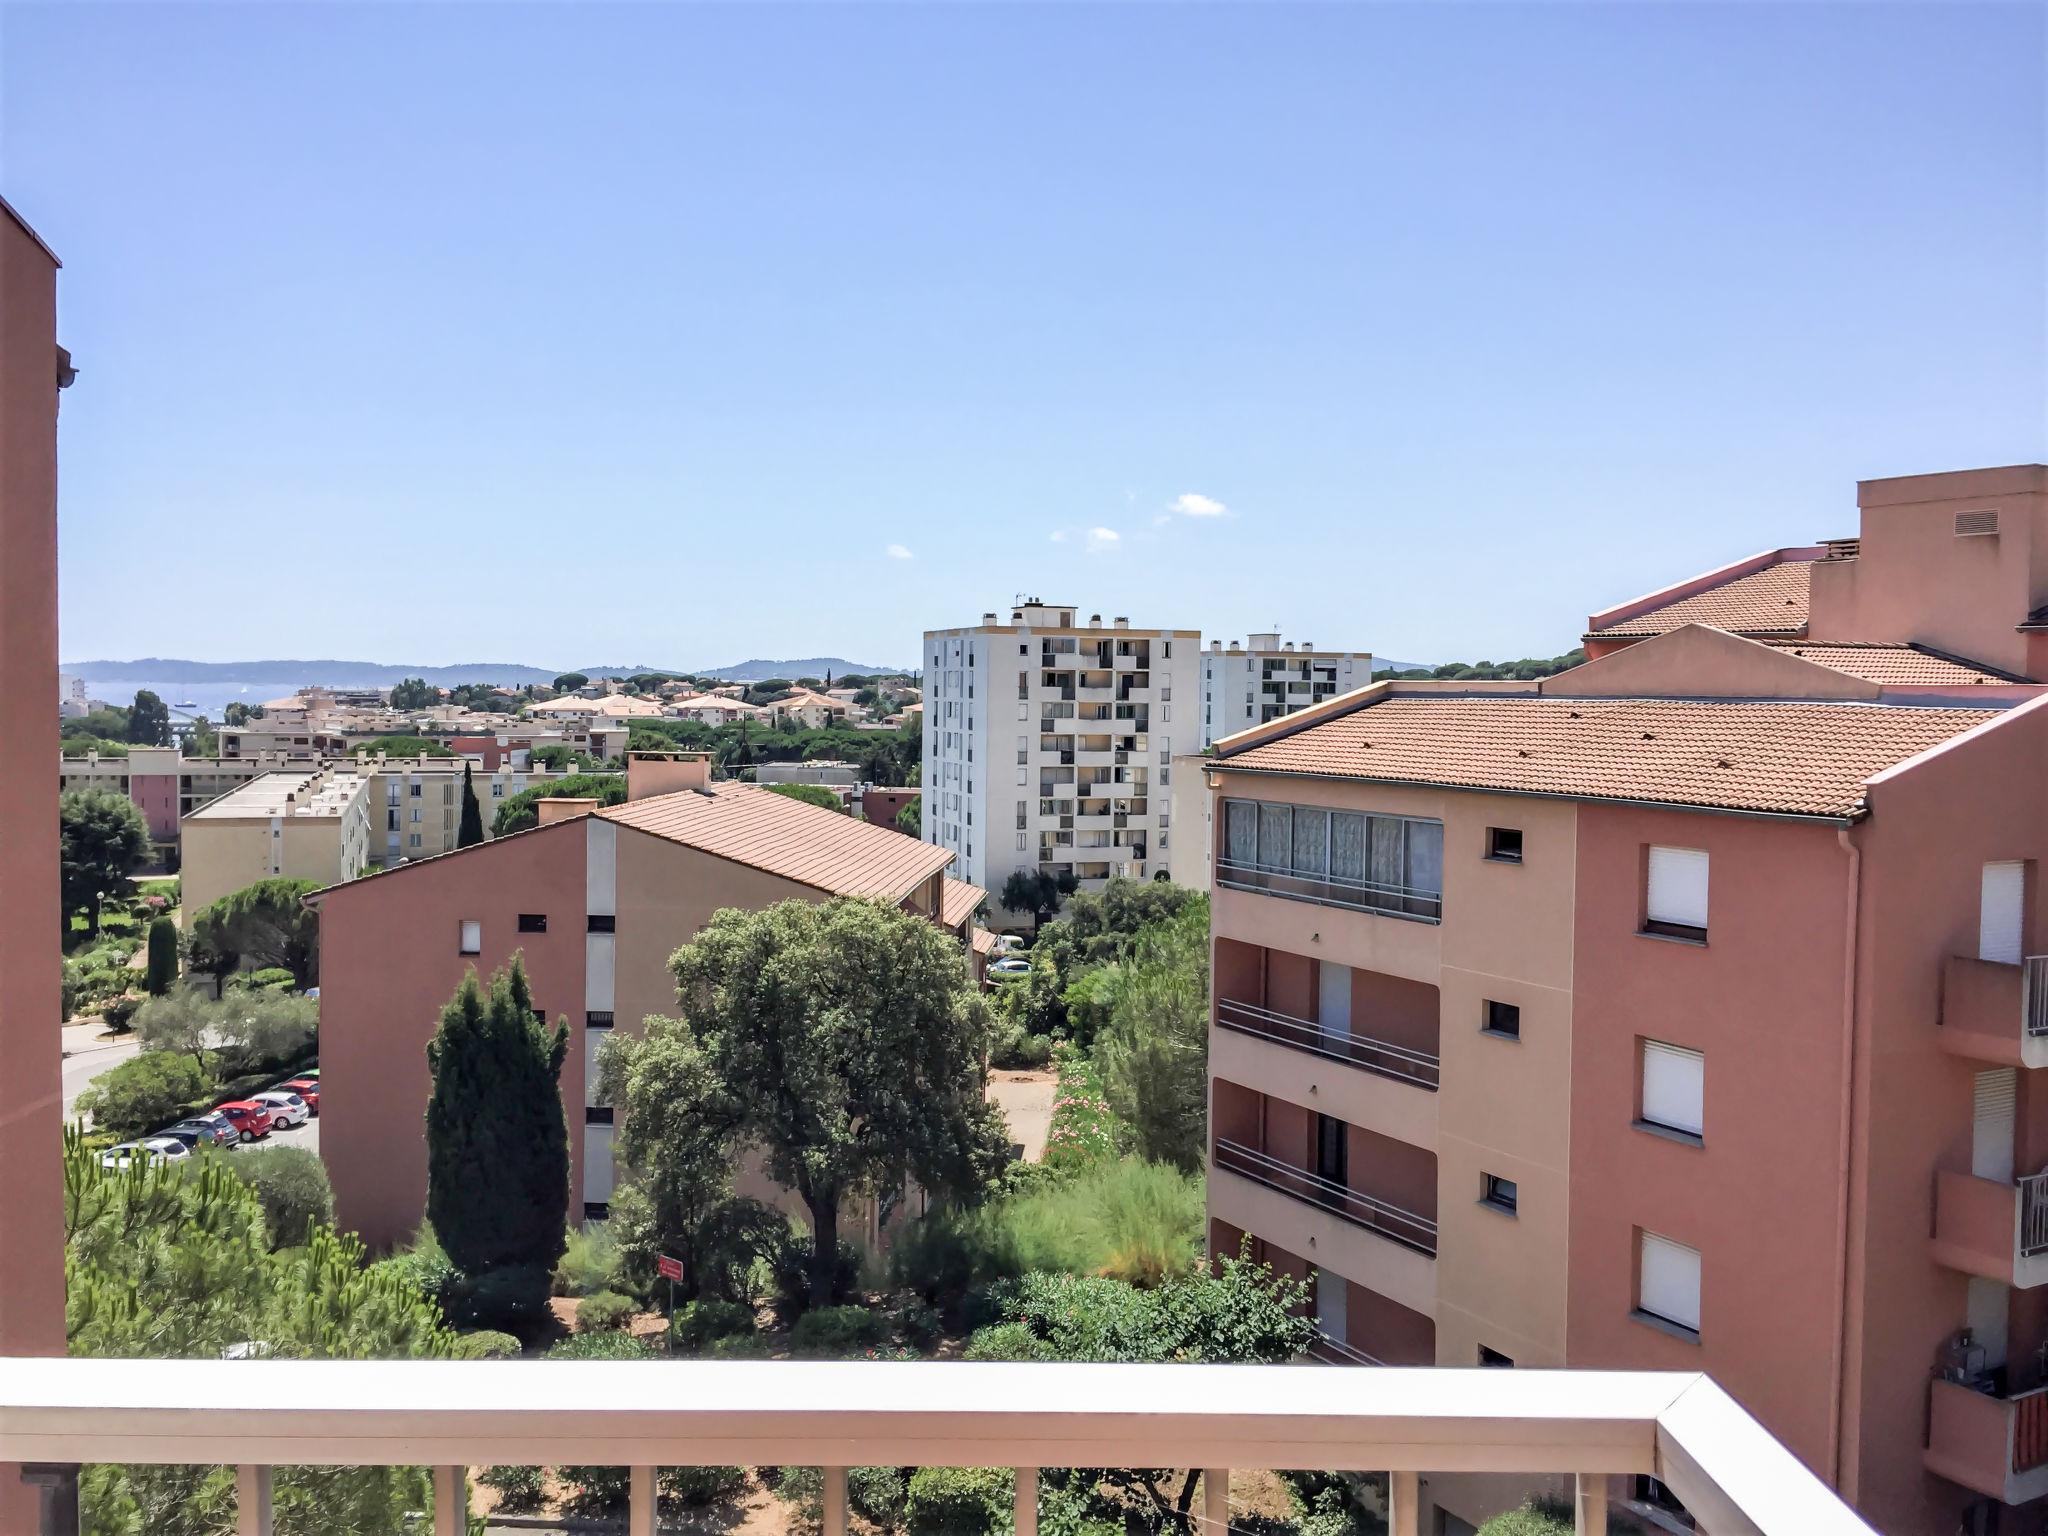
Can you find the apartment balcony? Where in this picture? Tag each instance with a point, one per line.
(1333, 891)
(1993, 1229)
(1995, 1012)
(1679, 1427)
(1993, 1445)
(1336, 1352)
(1381, 1057)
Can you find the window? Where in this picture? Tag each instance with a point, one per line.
(533, 922)
(1504, 844)
(602, 922)
(1504, 1019)
(416, 816)
(1497, 1192)
(415, 789)
(1668, 1283)
(413, 841)
(1674, 1089)
(1675, 902)
(597, 1114)
(598, 1020)
(1495, 1359)
(497, 791)
(1387, 864)
(1333, 1150)
(472, 936)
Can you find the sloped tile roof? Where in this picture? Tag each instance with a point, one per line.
(1772, 601)
(1894, 664)
(957, 901)
(828, 850)
(1809, 759)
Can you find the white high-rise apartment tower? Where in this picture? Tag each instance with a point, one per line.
(1048, 744)
(1262, 680)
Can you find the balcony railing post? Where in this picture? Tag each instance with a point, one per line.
(835, 1501)
(1592, 1505)
(1216, 1500)
(1404, 1504)
(1027, 1502)
(640, 1502)
(252, 1501)
(451, 1501)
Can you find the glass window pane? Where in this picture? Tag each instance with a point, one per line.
(1311, 840)
(1276, 837)
(1347, 846)
(1386, 867)
(1241, 832)
(1426, 857)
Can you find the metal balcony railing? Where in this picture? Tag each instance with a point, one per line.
(2034, 995)
(1379, 1216)
(2033, 1236)
(1334, 891)
(1378, 1056)
(1334, 1351)
(1675, 1426)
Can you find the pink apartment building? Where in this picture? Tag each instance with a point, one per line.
(1681, 1011)
(596, 900)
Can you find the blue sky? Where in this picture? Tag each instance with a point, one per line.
(664, 333)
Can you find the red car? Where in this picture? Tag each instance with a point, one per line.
(307, 1088)
(250, 1120)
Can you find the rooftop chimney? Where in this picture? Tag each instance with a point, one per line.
(554, 808)
(1215, 645)
(1122, 623)
(989, 618)
(1095, 621)
(664, 773)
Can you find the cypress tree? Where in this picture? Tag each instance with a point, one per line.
(163, 956)
(471, 830)
(498, 1147)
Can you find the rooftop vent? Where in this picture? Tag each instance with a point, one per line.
(1121, 622)
(1095, 621)
(1976, 524)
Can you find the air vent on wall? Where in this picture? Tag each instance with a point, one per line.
(1976, 524)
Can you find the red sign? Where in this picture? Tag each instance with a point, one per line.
(668, 1268)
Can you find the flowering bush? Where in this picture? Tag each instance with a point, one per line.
(1083, 1131)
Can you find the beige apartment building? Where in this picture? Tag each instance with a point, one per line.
(304, 825)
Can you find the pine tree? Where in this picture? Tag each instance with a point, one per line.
(498, 1146)
(163, 956)
(471, 831)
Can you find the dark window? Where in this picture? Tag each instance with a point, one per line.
(1497, 1192)
(1332, 1148)
(1504, 844)
(597, 1020)
(1503, 1019)
(597, 1114)
(1493, 1357)
(604, 922)
(533, 922)
(596, 1210)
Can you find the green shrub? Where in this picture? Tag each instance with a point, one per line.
(519, 1489)
(960, 1501)
(594, 1492)
(1016, 1049)
(789, 1270)
(143, 1093)
(1006, 1341)
(919, 1324)
(876, 1494)
(610, 1345)
(604, 1312)
(424, 1265)
(699, 1487)
(832, 1333)
(589, 1262)
(270, 978)
(163, 956)
(513, 1299)
(486, 1344)
(1537, 1517)
(119, 1012)
(292, 1185)
(697, 1323)
(737, 1346)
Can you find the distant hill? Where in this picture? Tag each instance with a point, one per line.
(809, 666)
(291, 674)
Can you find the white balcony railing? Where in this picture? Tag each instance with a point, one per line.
(1380, 1056)
(254, 1414)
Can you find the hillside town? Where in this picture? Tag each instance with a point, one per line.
(1112, 1070)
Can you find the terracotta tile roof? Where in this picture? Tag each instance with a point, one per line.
(1894, 663)
(1772, 601)
(957, 901)
(806, 843)
(982, 942)
(1792, 758)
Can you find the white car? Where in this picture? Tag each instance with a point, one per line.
(1010, 968)
(286, 1109)
(158, 1149)
(1009, 943)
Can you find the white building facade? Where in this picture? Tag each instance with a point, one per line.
(1262, 679)
(1048, 744)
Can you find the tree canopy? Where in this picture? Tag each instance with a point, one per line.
(401, 746)
(497, 1143)
(471, 830)
(1037, 891)
(910, 819)
(810, 794)
(267, 923)
(414, 693)
(102, 838)
(518, 812)
(569, 682)
(1154, 1051)
(844, 1039)
(149, 721)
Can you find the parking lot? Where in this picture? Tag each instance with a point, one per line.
(307, 1136)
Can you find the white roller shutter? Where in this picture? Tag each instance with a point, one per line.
(1999, 912)
(1678, 887)
(1670, 1281)
(1991, 1124)
(1674, 1087)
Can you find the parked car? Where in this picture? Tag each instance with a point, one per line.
(158, 1149)
(201, 1133)
(168, 1148)
(286, 1108)
(250, 1119)
(307, 1088)
(1010, 969)
(1009, 943)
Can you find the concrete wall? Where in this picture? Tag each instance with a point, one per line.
(1761, 1199)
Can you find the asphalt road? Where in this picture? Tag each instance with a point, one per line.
(307, 1136)
(90, 1056)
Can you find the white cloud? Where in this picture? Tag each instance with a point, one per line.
(1192, 504)
(898, 552)
(1059, 535)
(1101, 539)
(1161, 519)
